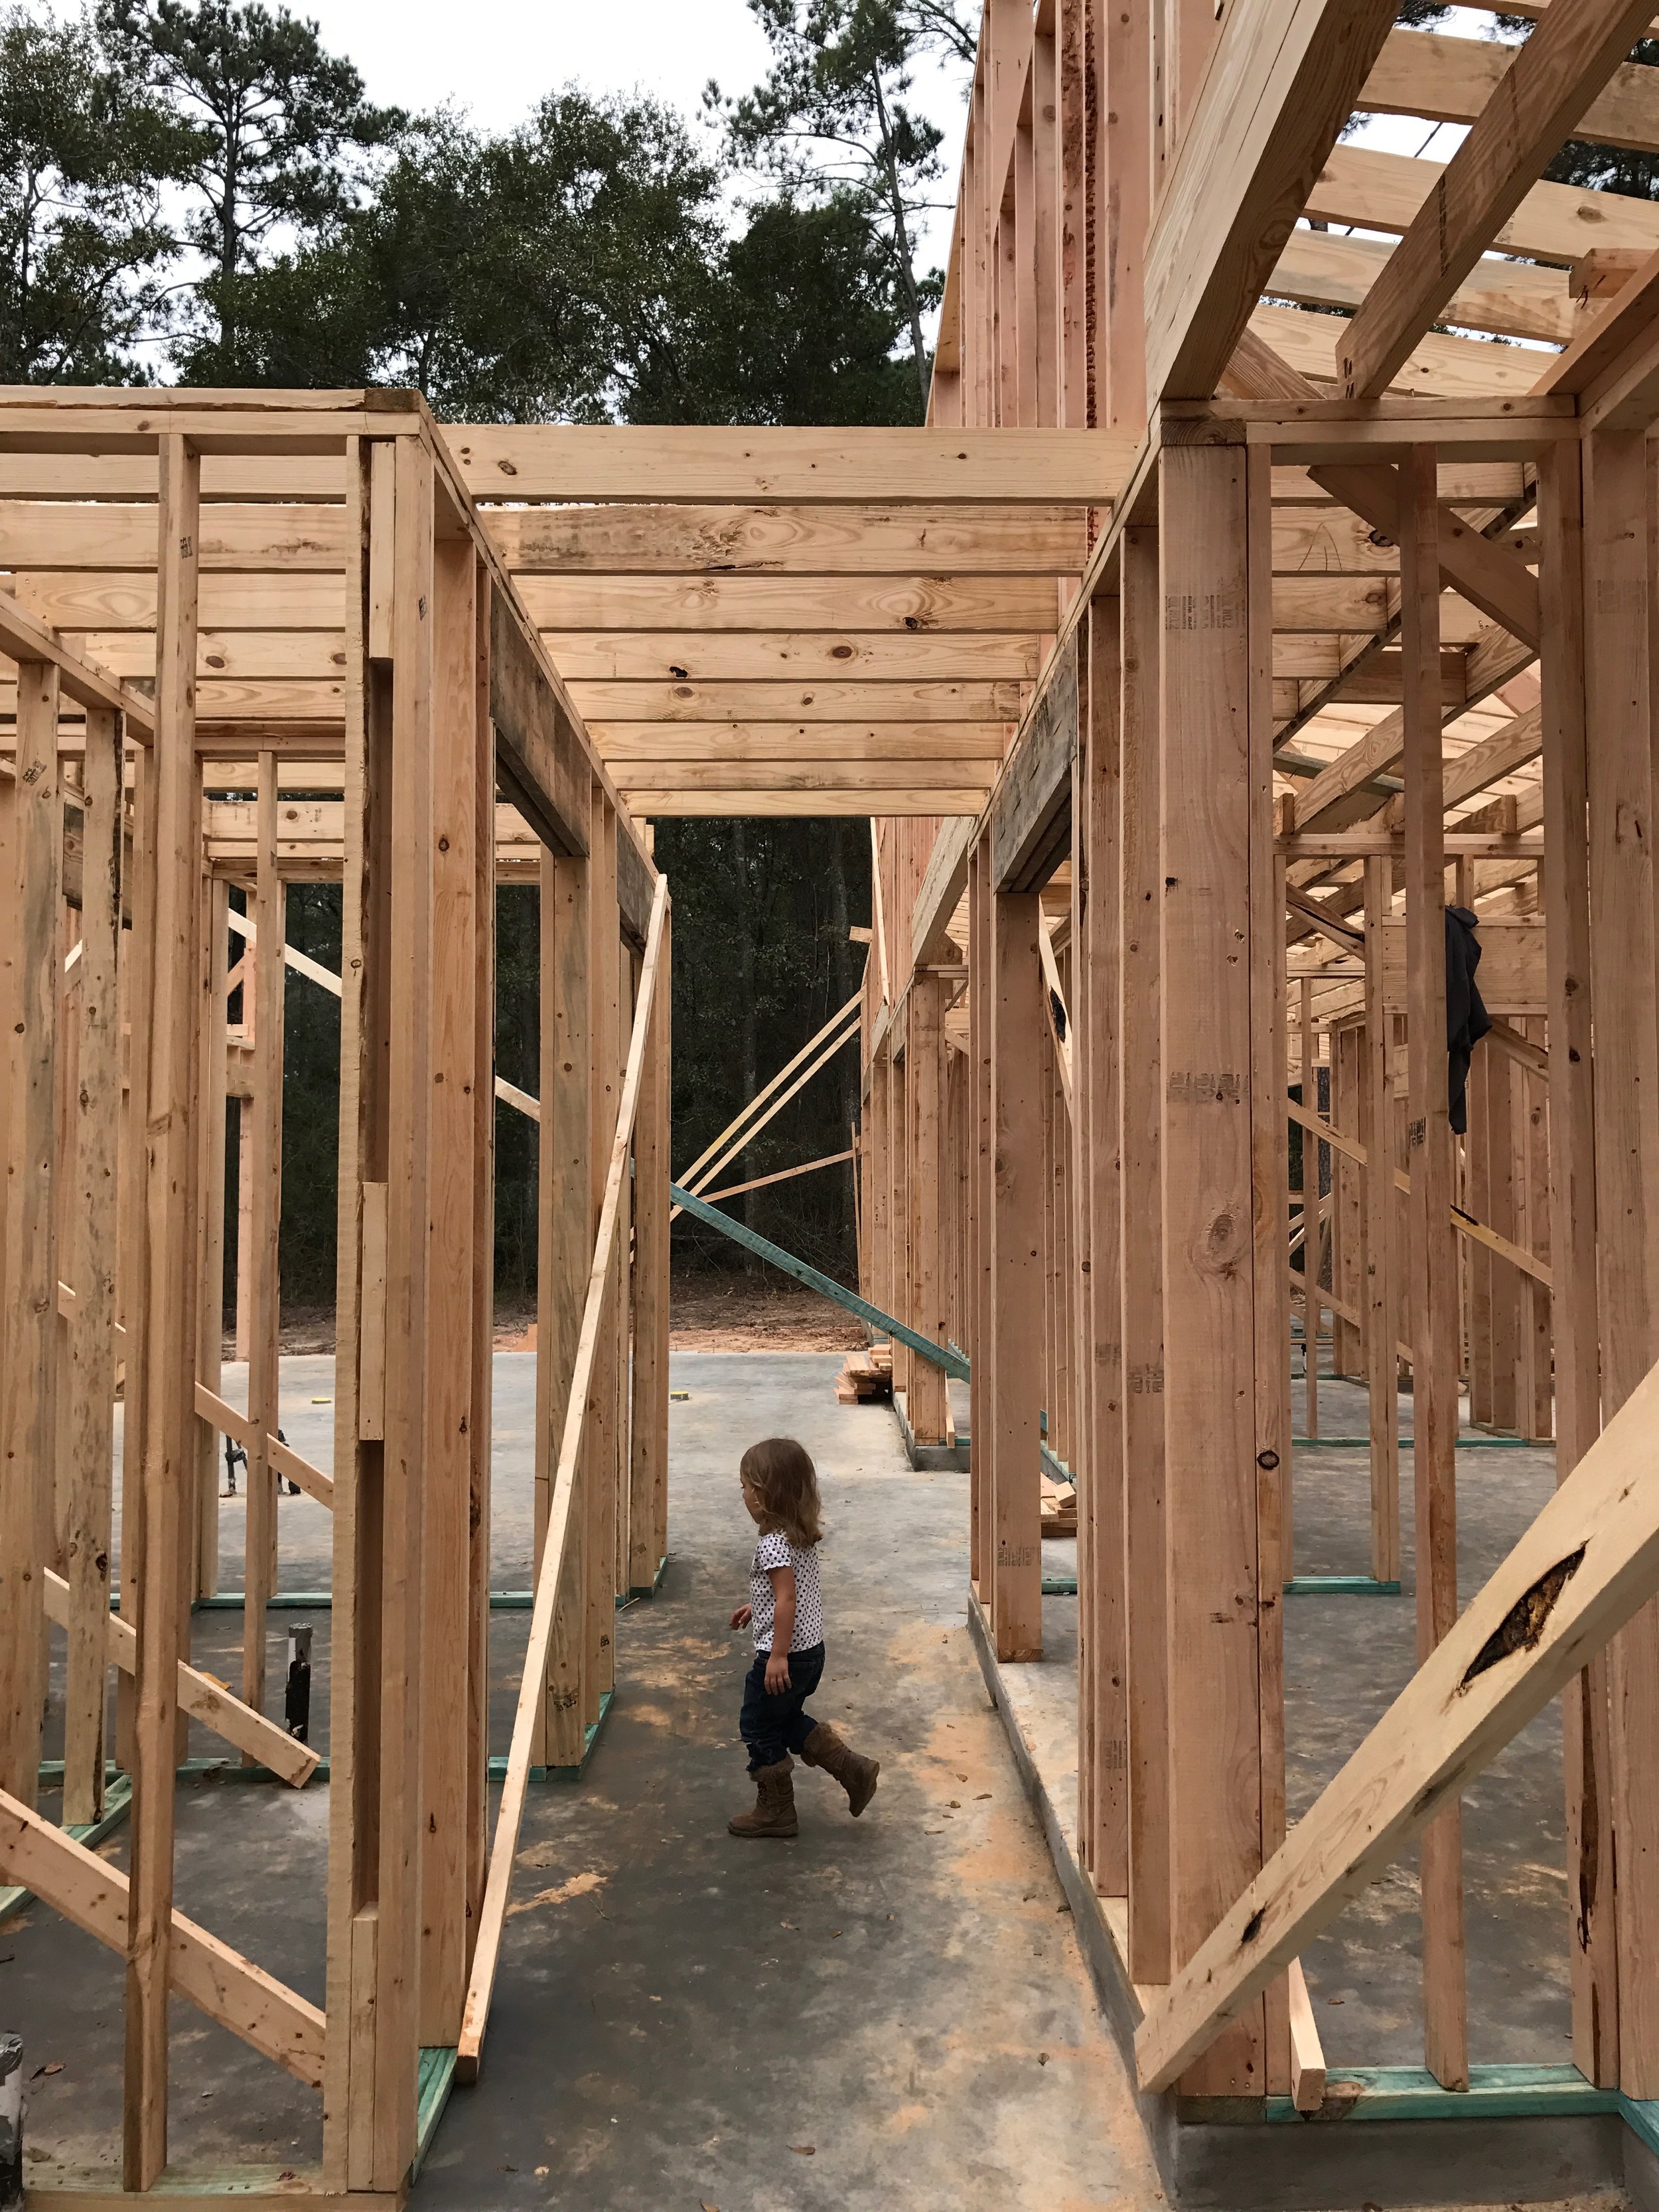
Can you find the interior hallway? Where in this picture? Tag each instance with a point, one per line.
(680, 2016)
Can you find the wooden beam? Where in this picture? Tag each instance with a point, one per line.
(24, 636)
(605, 704)
(1279, 88)
(230, 1989)
(746, 468)
(1385, 192)
(1451, 80)
(659, 656)
(1030, 811)
(1586, 1564)
(630, 746)
(1550, 82)
(539, 760)
(1611, 366)
(1511, 299)
(776, 541)
(941, 893)
(1484, 572)
(936, 603)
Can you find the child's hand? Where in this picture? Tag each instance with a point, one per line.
(743, 1616)
(777, 1673)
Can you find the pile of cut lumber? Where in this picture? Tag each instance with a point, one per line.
(1059, 1509)
(865, 1376)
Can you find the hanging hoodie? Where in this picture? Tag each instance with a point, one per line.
(1466, 1018)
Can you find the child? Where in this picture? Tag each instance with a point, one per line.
(780, 1490)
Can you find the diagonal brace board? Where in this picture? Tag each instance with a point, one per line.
(1464, 1224)
(492, 1918)
(205, 1700)
(225, 1985)
(942, 1355)
(1586, 1564)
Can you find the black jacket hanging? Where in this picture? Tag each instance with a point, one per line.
(1466, 1018)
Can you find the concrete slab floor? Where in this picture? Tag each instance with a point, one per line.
(887, 2011)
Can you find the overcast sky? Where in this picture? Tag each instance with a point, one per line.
(496, 57)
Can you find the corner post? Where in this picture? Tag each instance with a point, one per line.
(1210, 1447)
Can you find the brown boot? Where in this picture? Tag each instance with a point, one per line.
(775, 1804)
(855, 1773)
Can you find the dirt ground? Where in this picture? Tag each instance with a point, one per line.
(709, 1313)
(739, 1312)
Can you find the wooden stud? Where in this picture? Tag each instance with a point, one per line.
(647, 1515)
(1586, 1737)
(1578, 1572)
(210, 1227)
(1209, 1320)
(601, 1465)
(1140, 1290)
(1376, 1112)
(564, 1212)
(475, 1809)
(981, 1042)
(451, 1379)
(1618, 678)
(392, 1952)
(265, 1216)
(166, 1346)
(1270, 1171)
(28, 1407)
(1015, 1316)
(926, 1402)
(1098, 1208)
(93, 1270)
(1434, 1276)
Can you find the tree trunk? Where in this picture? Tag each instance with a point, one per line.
(902, 244)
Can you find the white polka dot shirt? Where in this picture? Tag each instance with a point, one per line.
(775, 1550)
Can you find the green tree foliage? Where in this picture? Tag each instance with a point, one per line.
(795, 321)
(1611, 168)
(84, 156)
(281, 131)
(835, 115)
(762, 959)
(515, 279)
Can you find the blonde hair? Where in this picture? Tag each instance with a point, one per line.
(780, 1475)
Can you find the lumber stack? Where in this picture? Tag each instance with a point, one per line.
(1059, 1509)
(865, 1376)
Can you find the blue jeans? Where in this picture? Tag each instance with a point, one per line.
(771, 1727)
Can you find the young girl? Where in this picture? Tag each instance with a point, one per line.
(780, 1490)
